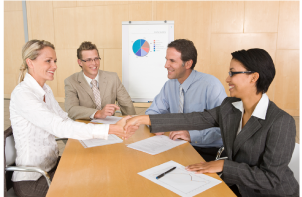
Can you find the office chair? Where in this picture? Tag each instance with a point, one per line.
(9, 163)
(294, 162)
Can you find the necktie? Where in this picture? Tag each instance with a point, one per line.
(181, 100)
(97, 95)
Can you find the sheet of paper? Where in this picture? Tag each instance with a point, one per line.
(156, 144)
(180, 181)
(108, 120)
(112, 139)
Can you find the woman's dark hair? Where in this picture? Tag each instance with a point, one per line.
(257, 60)
(187, 50)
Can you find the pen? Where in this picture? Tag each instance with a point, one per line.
(163, 174)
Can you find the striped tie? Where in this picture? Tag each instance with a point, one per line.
(181, 100)
(97, 95)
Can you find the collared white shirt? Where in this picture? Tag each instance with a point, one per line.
(259, 111)
(35, 124)
(89, 82)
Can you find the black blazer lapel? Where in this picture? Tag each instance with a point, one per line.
(83, 83)
(247, 131)
(230, 130)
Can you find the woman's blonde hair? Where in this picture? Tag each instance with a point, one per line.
(31, 50)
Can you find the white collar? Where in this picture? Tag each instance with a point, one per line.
(260, 110)
(33, 84)
(89, 79)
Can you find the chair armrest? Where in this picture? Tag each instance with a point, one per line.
(221, 149)
(57, 139)
(30, 169)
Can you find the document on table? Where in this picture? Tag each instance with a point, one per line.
(156, 144)
(180, 181)
(108, 120)
(112, 139)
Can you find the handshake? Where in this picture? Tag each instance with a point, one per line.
(127, 126)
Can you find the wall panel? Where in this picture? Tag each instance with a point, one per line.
(195, 26)
(227, 16)
(287, 81)
(12, 6)
(40, 22)
(288, 30)
(140, 11)
(99, 3)
(13, 43)
(64, 4)
(113, 61)
(261, 16)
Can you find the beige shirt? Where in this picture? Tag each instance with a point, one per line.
(35, 124)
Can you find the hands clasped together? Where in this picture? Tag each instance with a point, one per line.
(128, 125)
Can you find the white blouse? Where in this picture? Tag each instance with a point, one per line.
(259, 111)
(35, 124)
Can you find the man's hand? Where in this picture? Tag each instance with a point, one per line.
(108, 110)
(206, 167)
(118, 128)
(184, 135)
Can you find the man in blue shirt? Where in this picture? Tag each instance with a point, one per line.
(188, 91)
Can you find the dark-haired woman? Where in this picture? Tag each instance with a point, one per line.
(259, 137)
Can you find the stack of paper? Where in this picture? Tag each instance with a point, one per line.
(180, 181)
(156, 144)
(112, 139)
(108, 120)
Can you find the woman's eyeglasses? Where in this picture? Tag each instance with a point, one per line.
(234, 73)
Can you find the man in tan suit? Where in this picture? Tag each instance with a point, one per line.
(91, 93)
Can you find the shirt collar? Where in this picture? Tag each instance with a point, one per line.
(33, 84)
(89, 79)
(260, 109)
(186, 84)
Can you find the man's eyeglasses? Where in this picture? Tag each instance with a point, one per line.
(234, 73)
(97, 60)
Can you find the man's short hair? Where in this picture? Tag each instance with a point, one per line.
(257, 60)
(187, 50)
(86, 46)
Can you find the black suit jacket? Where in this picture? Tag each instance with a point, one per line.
(258, 156)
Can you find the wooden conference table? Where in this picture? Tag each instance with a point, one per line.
(111, 170)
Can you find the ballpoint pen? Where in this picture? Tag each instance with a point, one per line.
(163, 174)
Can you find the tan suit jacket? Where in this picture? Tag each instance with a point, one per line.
(79, 98)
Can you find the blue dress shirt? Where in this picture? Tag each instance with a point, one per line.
(201, 91)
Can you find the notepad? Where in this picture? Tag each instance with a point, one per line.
(155, 145)
(112, 139)
(180, 181)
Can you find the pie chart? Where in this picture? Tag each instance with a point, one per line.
(141, 47)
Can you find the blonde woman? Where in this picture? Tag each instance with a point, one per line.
(37, 118)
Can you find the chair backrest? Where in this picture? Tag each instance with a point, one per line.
(10, 150)
(294, 162)
(7, 175)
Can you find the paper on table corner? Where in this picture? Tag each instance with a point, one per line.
(180, 181)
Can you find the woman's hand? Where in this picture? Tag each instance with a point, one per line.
(133, 123)
(118, 128)
(206, 167)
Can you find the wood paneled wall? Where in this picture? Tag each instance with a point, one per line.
(216, 28)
